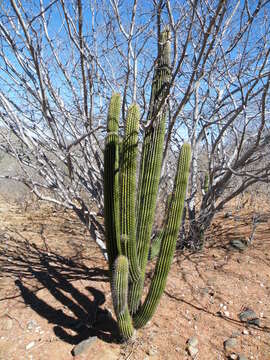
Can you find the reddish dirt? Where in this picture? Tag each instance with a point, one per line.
(53, 283)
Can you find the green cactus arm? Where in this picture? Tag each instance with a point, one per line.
(111, 182)
(150, 167)
(128, 188)
(168, 243)
(120, 295)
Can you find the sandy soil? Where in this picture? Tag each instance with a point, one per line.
(54, 292)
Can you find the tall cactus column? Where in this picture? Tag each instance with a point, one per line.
(150, 167)
(128, 190)
(111, 182)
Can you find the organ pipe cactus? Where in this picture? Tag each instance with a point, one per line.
(130, 208)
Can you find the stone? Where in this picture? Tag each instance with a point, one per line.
(228, 214)
(193, 351)
(193, 341)
(242, 357)
(6, 324)
(230, 343)
(233, 356)
(31, 324)
(247, 315)
(245, 332)
(254, 322)
(30, 345)
(83, 346)
(238, 244)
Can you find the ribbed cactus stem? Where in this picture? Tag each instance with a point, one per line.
(120, 296)
(150, 167)
(168, 243)
(111, 182)
(128, 188)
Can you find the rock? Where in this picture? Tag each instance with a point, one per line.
(193, 351)
(193, 341)
(254, 322)
(30, 345)
(228, 214)
(230, 344)
(245, 332)
(6, 324)
(233, 356)
(247, 315)
(238, 244)
(237, 218)
(242, 357)
(83, 346)
(31, 324)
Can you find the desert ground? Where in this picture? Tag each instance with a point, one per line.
(54, 291)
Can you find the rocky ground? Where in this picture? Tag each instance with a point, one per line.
(55, 301)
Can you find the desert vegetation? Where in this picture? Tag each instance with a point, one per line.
(146, 123)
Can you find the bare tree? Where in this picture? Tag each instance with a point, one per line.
(61, 60)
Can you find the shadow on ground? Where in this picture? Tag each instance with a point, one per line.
(79, 317)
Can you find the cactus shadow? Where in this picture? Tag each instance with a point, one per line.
(75, 315)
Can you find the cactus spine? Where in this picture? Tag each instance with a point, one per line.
(129, 220)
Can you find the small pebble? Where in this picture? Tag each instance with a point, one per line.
(30, 345)
(230, 343)
(242, 357)
(193, 341)
(247, 315)
(254, 322)
(193, 351)
(31, 324)
(83, 346)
